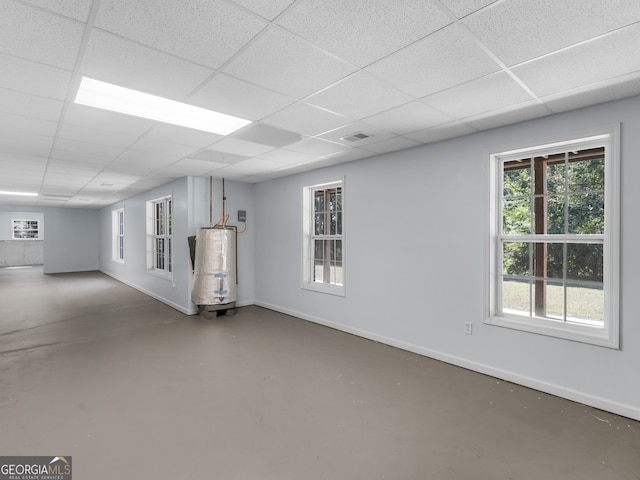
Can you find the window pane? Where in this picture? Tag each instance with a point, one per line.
(555, 178)
(516, 218)
(586, 213)
(585, 262)
(555, 214)
(319, 202)
(586, 175)
(516, 296)
(515, 259)
(318, 228)
(517, 178)
(548, 260)
(585, 303)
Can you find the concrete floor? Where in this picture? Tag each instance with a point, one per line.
(131, 388)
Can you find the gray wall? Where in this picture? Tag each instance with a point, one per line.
(19, 252)
(415, 251)
(190, 212)
(70, 237)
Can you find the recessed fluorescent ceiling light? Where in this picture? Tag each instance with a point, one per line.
(124, 100)
(24, 194)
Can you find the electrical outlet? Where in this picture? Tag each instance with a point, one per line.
(242, 215)
(468, 328)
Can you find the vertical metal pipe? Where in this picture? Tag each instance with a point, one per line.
(223, 199)
(210, 201)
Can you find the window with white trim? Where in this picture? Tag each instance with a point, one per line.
(159, 236)
(25, 229)
(323, 247)
(117, 228)
(554, 256)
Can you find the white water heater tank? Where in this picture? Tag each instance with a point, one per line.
(214, 281)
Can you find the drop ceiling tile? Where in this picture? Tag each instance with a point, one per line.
(391, 145)
(606, 91)
(63, 166)
(267, 135)
(462, 8)
(374, 134)
(66, 148)
(30, 105)
(288, 157)
(345, 156)
(218, 157)
(442, 132)
(359, 96)
(607, 57)
(268, 10)
(519, 30)
(26, 143)
(37, 35)
(316, 146)
(488, 93)
(446, 58)
(236, 97)
(254, 166)
(116, 60)
(189, 167)
(182, 135)
(363, 31)
(155, 145)
(137, 162)
(284, 63)
(236, 146)
(307, 119)
(207, 32)
(29, 77)
(117, 141)
(409, 118)
(76, 9)
(10, 125)
(97, 118)
(509, 115)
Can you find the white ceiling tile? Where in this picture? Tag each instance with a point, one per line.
(288, 157)
(254, 166)
(614, 55)
(163, 147)
(307, 119)
(240, 147)
(284, 63)
(375, 134)
(218, 157)
(26, 143)
(485, 94)
(519, 30)
(10, 125)
(391, 145)
(446, 58)
(346, 156)
(84, 151)
(72, 167)
(363, 31)
(409, 118)
(90, 117)
(116, 60)
(509, 115)
(268, 10)
(29, 77)
(182, 135)
(117, 141)
(442, 132)
(30, 105)
(77, 9)
(267, 135)
(37, 35)
(316, 146)
(361, 95)
(462, 8)
(606, 91)
(138, 162)
(208, 32)
(188, 167)
(236, 97)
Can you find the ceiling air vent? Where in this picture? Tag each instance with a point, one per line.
(356, 137)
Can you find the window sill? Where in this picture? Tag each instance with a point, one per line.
(161, 274)
(337, 290)
(578, 333)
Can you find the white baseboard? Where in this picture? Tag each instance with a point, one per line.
(557, 390)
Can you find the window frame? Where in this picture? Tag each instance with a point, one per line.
(160, 230)
(607, 335)
(14, 230)
(118, 235)
(309, 237)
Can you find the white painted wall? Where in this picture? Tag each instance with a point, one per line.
(71, 240)
(20, 252)
(415, 247)
(190, 212)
